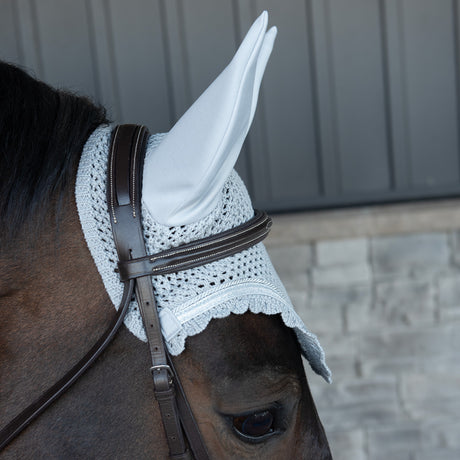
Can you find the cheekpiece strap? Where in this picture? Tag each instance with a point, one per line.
(125, 169)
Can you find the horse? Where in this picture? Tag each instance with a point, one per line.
(240, 367)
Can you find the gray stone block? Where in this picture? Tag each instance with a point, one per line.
(449, 315)
(339, 345)
(356, 391)
(343, 295)
(443, 434)
(449, 361)
(322, 320)
(295, 282)
(455, 238)
(353, 296)
(449, 297)
(299, 299)
(360, 318)
(394, 456)
(291, 259)
(344, 367)
(404, 302)
(437, 454)
(342, 275)
(342, 252)
(346, 445)
(449, 290)
(418, 363)
(401, 254)
(292, 264)
(324, 313)
(431, 396)
(400, 438)
(426, 341)
(361, 415)
(387, 365)
(423, 350)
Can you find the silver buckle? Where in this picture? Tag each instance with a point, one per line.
(160, 367)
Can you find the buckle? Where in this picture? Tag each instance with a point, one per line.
(160, 367)
(157, 369)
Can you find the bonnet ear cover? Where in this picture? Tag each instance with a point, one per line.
(184, 179)
(190, 191)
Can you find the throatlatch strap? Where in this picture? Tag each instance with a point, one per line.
(124, 193)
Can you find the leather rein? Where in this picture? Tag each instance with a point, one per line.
(135, 267)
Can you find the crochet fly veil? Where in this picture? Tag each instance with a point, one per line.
(191, 191)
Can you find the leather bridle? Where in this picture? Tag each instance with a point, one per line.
(135, 267)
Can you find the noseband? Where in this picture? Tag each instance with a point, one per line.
(135, 267)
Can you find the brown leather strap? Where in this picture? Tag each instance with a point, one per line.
(125, 182)
(199, 252)
(188, 420)
(20, 422)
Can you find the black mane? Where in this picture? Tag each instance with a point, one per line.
(42, 134)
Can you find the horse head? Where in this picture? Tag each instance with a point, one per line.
(235, 338)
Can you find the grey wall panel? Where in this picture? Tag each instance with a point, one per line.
(9, 33)
(289, 107)
(431, 91)
(206, 56)
(397, 110)
(356, 60)
(28, 37)
(176, 51)
(63, 37)
(104, 60)
(138, 49)
(282, 140)
(320, 40)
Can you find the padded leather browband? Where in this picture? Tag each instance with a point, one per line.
(199, 252)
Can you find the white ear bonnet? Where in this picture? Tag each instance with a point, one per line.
(188, 300)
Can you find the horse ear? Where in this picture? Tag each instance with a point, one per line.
(185, 174)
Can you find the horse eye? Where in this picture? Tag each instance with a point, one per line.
(254, 425)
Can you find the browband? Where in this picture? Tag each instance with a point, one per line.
(199, 252)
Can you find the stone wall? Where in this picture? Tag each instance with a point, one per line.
(387, 312)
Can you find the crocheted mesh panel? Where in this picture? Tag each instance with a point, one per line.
(243, 282)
